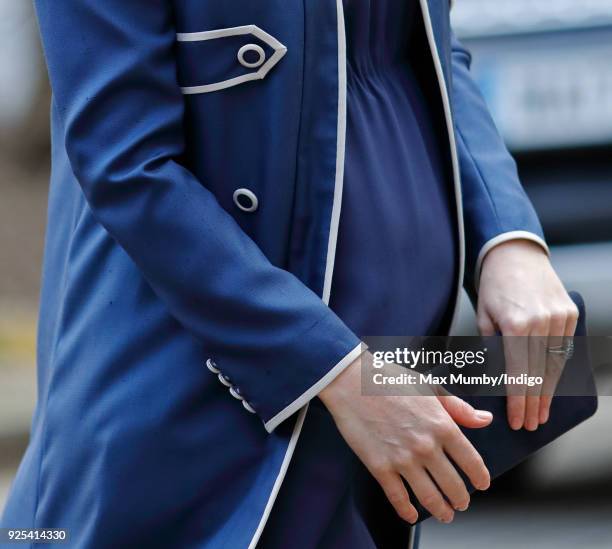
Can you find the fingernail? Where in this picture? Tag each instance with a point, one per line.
(462, 508)
(484, 415)
(483, 485)
(544, 417)
(531, 425)
(516, 423)
(446, 519)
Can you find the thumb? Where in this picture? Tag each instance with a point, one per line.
(464, 414)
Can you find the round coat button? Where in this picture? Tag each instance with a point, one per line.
(223, 379)
(235, 393)
(210, 364)
(248, 48)
(245, 200)
(248, 407)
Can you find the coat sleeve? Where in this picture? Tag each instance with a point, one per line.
(496, 208)
(113, 74)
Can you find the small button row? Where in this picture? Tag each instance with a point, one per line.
(234, 391)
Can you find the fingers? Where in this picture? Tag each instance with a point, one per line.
(458, 447)
(516, 353)
(416, 466)
(537, 350)
(571, 321)
(461, 451)
(395, 491)
(563, 328)
(428, 494)
(450, 483)
(464, 414)
(554, 370)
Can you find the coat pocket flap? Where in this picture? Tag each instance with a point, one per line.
(217, 59)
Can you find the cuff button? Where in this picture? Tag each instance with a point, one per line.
(210, 364)
(248, 407)
(235, 393)
(224, 380)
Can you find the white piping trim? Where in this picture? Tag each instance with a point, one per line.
(280, 477)
(453, 149)
(279, 51)
(331, 249)
(315, 389)
(340, 150)
(504, 237)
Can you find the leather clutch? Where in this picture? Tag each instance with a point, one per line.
(503, 448)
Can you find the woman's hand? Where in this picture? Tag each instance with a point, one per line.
(521, 295)
(410, 437)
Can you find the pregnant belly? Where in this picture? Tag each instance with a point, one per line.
(396, 258)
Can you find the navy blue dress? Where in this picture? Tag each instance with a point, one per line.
(397, 222)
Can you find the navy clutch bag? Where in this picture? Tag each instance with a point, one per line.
(501, 447)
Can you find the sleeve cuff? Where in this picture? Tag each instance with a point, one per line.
(504, 237)
(315, 389)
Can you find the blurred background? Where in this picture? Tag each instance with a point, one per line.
(545, 69)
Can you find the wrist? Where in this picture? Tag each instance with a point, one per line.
(515, 255)
(520, 246)
(345, 386)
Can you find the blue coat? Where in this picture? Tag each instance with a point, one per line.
(198, 153)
